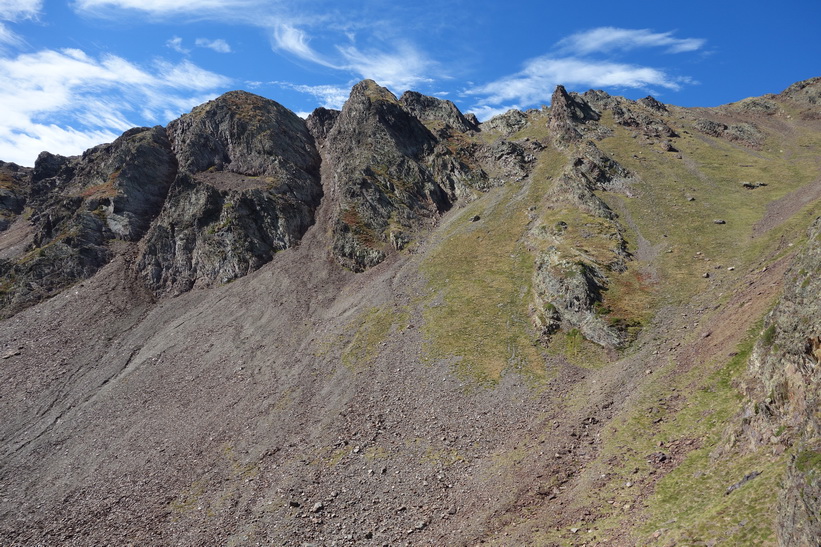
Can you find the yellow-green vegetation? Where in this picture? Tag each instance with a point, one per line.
(370, 329)
(6, 181)
(189, 499)
(200, 496)
(577, 350)
(443, 456)
(375, 452)
(480, 276)
(680, 199)
(336, 456)
(808, 461)
(690, 504)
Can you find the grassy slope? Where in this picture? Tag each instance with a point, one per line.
(482, 272)
(476, 316)
(480, 275)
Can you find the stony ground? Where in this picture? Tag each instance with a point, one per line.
(300, 404)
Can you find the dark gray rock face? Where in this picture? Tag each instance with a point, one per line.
(783, 387)
(807, 92)
(248, 187)
(320, 123)
(13, 189)
(207, 235)
(566, 112)
(743, 133)
(424, 108)
(79, 204)
(378, 152)
(573, 289)
(507, 123)
(244, 133)
(129, 178)
(652, 103)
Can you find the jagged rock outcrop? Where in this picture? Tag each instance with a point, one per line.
(320, 122)
(240, 132)
(567, 112)
(13, 189)
(425, 108)
(743, 133)
(248, 187)
(79, 204)
(385, 190)
(206, 235)
(572, 290)
(653, 104)
(568, 284)
(807, 96)
(508, 123)
(784, 389)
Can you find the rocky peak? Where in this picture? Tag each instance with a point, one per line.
(652, 103)
(378, 154)
(248, 187)
(320, 123)
(506, 123)
(807, 91)
(370, 91)
(244, 133)
(433, 108)
(565, 111)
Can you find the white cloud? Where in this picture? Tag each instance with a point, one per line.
(329, 96)
(164, 7)
(7, 36)
(575, 67)
(175, 43)
(401, 69)
(17, 10)
(65, 101)
(607, 39)
(219, 45)
(389, 62)
(13, 11)
(540, 76)
(485, 112)
(295, 41)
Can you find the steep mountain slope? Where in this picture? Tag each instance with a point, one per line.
(593, 323)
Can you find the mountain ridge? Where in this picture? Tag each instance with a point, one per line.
(394, 323)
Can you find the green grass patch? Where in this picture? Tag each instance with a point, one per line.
(481, 277)
(690, 502)
(711, 172)
(808, 461)
(370, 329)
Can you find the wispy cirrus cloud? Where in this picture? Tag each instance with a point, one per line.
(608, 39)
(165, 7)
(329, 96)
(175, 43)
(400, 66)
(65, 100)
(219, 45)
(16, 10)
(403, 68)
(12, 11)
(574, 64)
(295, 41)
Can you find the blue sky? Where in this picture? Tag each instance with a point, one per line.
(78, 73)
